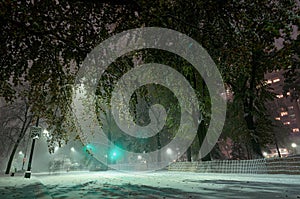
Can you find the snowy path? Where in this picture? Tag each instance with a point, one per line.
(150, 185)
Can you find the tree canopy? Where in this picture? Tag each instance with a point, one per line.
(45, 42)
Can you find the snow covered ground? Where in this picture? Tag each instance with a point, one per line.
(163, 184)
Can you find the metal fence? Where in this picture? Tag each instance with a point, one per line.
(257, 166)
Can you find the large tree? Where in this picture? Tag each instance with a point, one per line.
(15, 121)
(44, 43)
(240, 36)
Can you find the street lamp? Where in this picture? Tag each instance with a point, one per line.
(35, 134)
(46, 133)
(265, 154)
(294, 145)
(169, 151)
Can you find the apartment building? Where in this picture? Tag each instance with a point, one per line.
(283, 108)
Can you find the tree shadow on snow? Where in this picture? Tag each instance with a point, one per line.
(203, 189)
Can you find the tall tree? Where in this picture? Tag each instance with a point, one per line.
(44, 43)
(18, 119)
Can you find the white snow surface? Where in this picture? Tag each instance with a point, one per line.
(162, 184)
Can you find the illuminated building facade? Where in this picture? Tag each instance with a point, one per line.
(283, 108)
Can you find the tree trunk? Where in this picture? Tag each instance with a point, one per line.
(24, 128)
(249, 118)
(256, 149)
(297, 111)
(108, 153)
(158, 148)
(201, 133)
(276, 144)
(11, 157)
(189, 154)
(248, 146)
(20, 137)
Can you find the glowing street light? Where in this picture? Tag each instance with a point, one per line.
(294, 145)
(46, 133)
(169, 151)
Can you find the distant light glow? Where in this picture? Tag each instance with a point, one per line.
(276, 80)
(279, 96)
(114, 154)
(72, 149)
(169, 151)
(46, 133)
(56, 148)
(294, 145)
(265, 153)
(139, 157)
(295, 130)
(20, 153)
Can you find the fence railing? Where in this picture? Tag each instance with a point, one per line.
(257, 166)
(283, 165)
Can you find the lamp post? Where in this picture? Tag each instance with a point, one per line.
(294, 145)
(21, 157)
(34, 133)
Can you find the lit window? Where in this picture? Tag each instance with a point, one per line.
(288, 93)
(286, 123)
(295, 130)
(269, 81)
(290, 107)
(277, 118)
(276, 80)
(279, 96)
(284, 113)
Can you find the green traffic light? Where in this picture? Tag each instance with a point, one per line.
(115, 154)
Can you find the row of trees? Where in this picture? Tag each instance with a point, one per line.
(45, 42)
